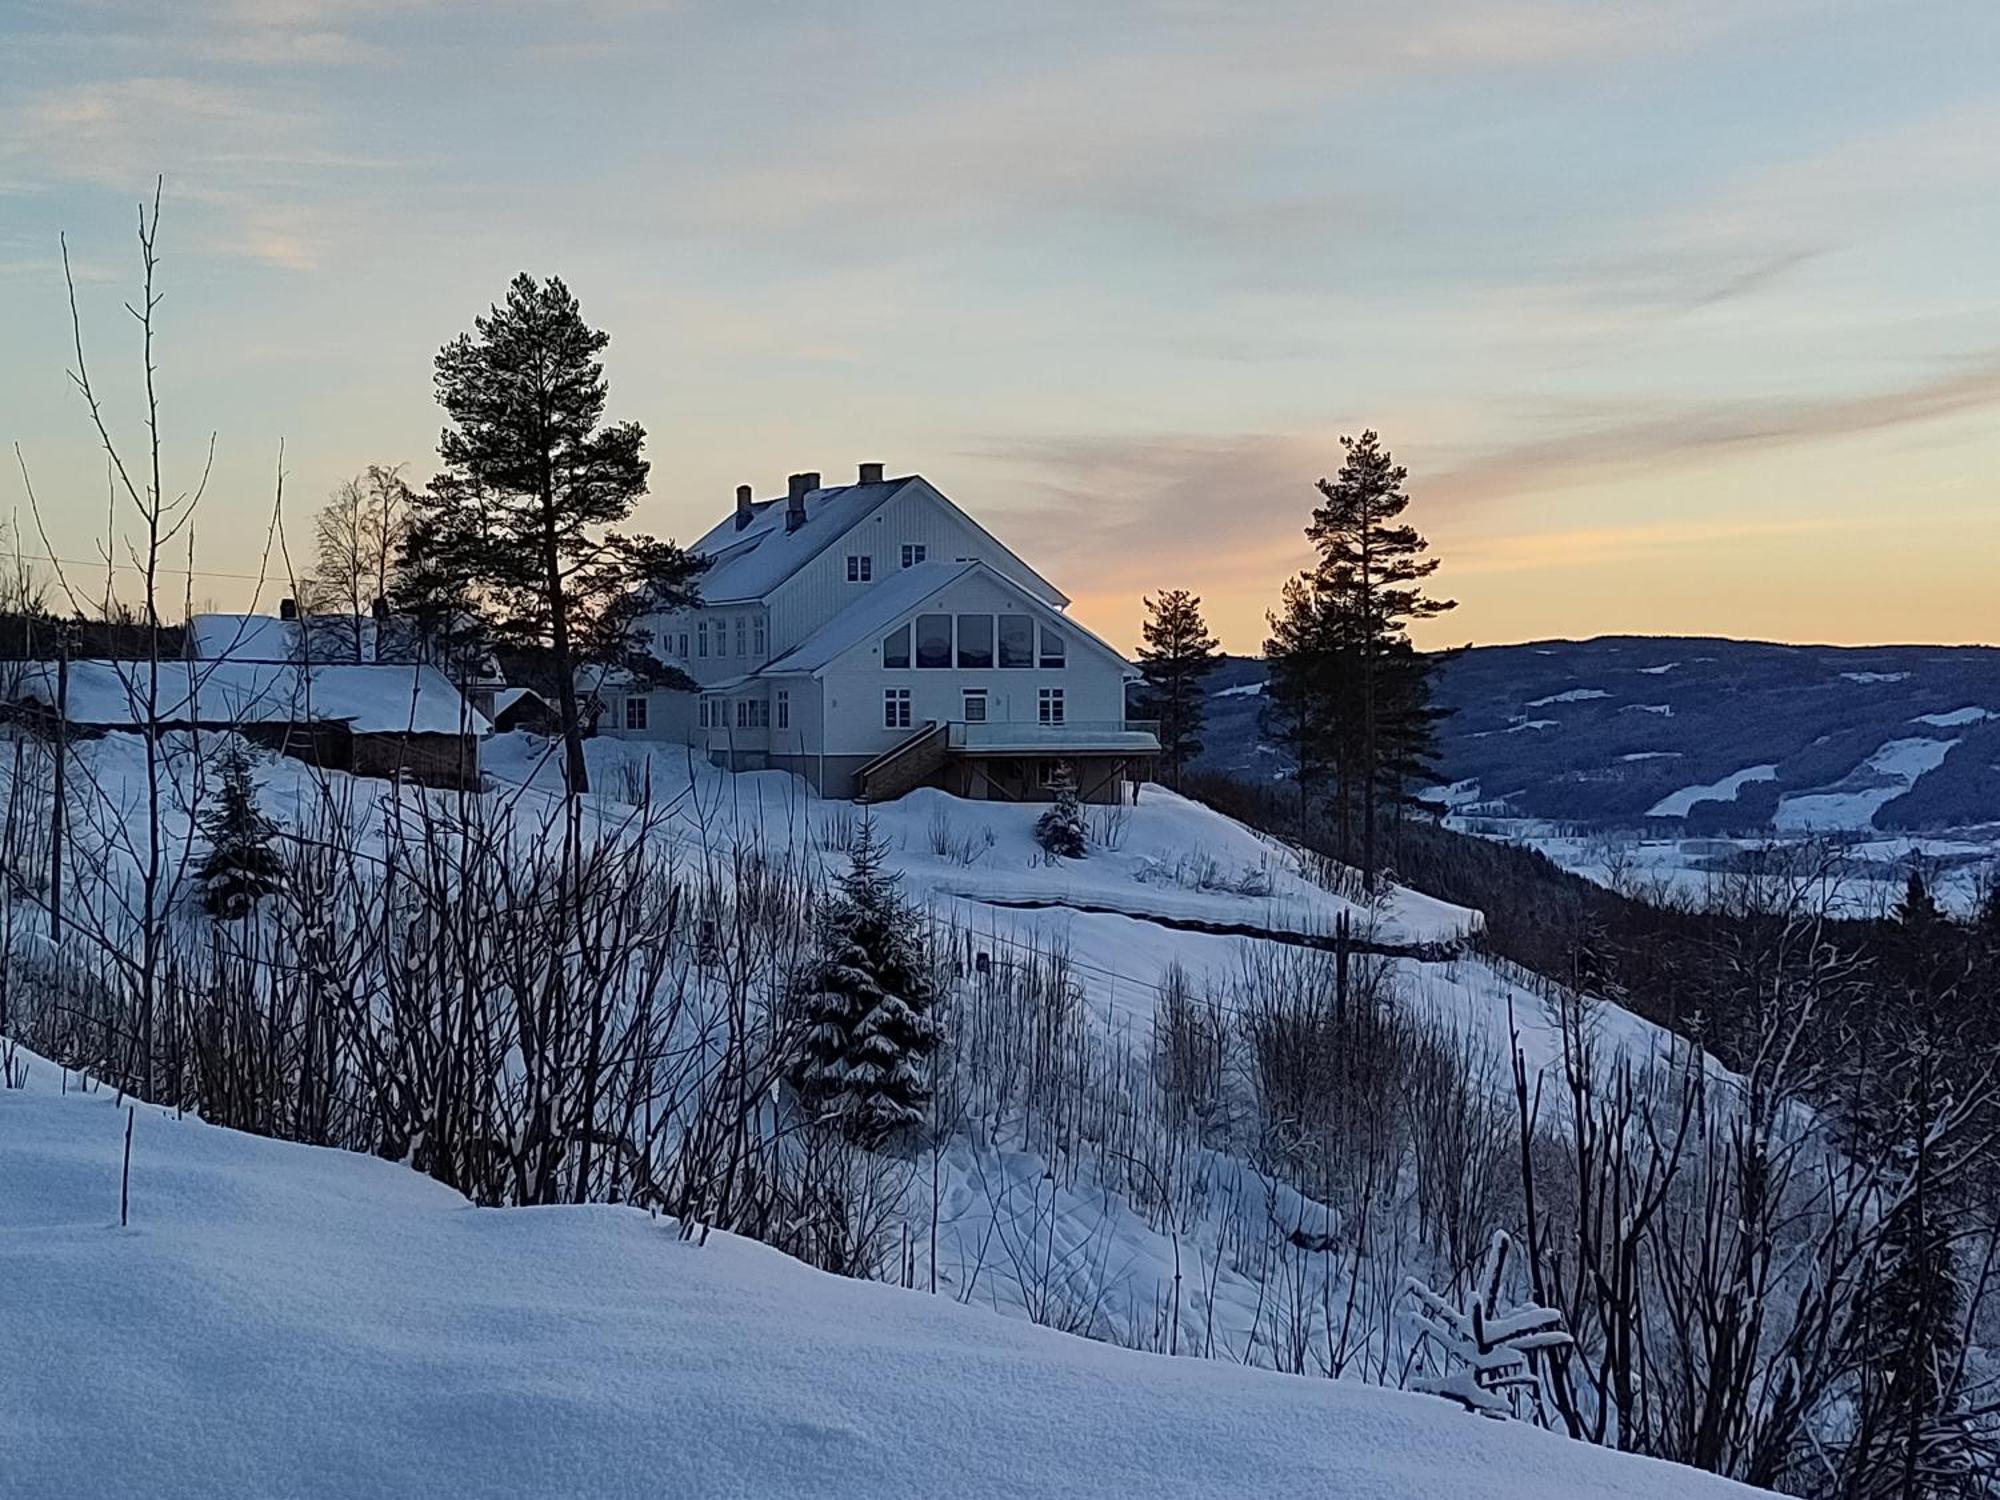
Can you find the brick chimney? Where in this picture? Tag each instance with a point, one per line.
(796, 490)
(871, 474)
(743, 516)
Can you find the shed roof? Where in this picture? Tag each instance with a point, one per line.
(368, 699)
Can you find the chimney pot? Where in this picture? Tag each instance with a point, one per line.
(871, 474)
(743, 515)
(796, 489)
(288, 609)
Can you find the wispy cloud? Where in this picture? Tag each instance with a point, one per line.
(1681, 432)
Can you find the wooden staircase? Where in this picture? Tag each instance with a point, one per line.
(905, 767)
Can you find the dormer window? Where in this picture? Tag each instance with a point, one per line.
(860, 567)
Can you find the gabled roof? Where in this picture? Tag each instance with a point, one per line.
(747, 565)
(268, 638)
(368, 699)
(889, 601)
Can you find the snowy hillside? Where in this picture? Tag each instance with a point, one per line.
(1718, 736)
(284, 1320)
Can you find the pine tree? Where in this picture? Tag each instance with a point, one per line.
(865, 1009)
(1060, 830)
(516, 519)
(1175, 659)
(1341, 657)
(242, 864)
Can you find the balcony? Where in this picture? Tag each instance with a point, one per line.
(1119, 736)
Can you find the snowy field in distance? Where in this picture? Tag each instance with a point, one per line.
(283, 1320)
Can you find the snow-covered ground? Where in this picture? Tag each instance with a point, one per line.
(280, 1320)
(1868, 872)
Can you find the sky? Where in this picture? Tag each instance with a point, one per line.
(1683, 314)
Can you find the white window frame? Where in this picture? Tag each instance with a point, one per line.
(1049, 661)
(914, 553)
(896, 708)
(968, 698)
(701, 637)
(860, 567)
(635, 712)
(784, 708)
(1050, 710)
(742, 635)
(759, 637)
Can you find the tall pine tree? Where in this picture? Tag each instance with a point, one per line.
(1175, 658)
(865, 1008)
(1342, 665)
(516, 522)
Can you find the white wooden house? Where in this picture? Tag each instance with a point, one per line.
(873, 637)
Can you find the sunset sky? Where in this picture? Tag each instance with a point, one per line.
(1685, 316)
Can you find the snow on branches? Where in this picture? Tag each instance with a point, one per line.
(1487, 1354)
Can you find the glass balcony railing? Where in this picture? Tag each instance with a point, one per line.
(1137, 736)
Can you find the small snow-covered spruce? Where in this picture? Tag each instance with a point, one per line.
(242, 865)
(866, 1028)
(1486, 1353)
(1061, 830)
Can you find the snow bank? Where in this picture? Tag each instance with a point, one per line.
(285, 1320)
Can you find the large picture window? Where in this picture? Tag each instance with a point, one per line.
(975, 640)
(933, 640)
(1017, 641)
(1054, 647)
(896, 647)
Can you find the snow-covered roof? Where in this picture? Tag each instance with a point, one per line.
(268, 638)
(748, 564)
(368, 699)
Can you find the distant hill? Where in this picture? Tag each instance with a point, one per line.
(1695, 734)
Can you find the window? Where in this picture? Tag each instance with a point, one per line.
(860, 567)
(1053, 647)
(975, 640)
(933, 640)
(753, 713)
(742, 713)
(975, 705)
(635, 713)
(757, 637)
(913, 553)
(701, 637)
(895, 708)
(743, 632)
(1049, 706)
(896, 647)
(684, 645)
(711, 714)
(784, 709)
(1017, 641)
